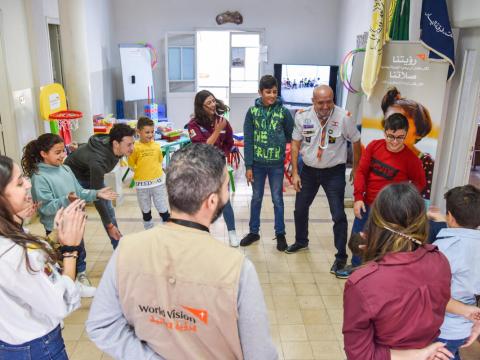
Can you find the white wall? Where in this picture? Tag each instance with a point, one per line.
(357, 15)
(99, 42)
(464, 13)
(18, 104)
(302, 32)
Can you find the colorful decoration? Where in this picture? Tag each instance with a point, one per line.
(344, 67)
(153, 54)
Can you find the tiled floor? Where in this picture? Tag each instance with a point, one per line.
(304, 300)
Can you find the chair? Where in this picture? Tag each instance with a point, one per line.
(234, 157)
(232, 179)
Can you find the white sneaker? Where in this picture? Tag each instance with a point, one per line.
(232, 238)
(84, 286)
(148, 224)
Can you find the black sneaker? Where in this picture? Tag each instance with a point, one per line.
(292, 249)
(249, 239)
(337, 265)
(281, 242)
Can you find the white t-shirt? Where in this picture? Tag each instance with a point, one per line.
(33, 303)
(340, 127)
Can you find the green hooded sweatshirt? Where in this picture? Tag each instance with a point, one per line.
(266, 132)
(51, 186)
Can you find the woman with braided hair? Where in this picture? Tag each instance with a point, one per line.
(395, 303)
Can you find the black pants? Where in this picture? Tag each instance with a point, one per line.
(333, 183)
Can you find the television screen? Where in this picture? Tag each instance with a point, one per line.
(297, 81)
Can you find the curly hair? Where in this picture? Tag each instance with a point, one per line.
(31, 152)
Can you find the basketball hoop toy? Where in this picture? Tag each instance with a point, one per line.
(53, 108)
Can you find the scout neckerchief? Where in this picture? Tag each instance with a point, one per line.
(323, 132)
(190, 224)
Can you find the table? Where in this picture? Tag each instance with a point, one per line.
(167, 147)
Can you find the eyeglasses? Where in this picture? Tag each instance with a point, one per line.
(392, 138)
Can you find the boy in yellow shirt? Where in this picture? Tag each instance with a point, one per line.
(146, 162)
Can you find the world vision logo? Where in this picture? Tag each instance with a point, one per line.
(176, 320)
(200, 314)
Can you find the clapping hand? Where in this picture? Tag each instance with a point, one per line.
(29, 211)
(70, 223)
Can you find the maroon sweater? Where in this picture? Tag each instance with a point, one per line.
(379, 167)
(200, 134)
(397, 303)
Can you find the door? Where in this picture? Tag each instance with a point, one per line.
(244, 74)
(180, 75)
(213, 63)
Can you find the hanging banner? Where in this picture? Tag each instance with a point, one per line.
(421, 83)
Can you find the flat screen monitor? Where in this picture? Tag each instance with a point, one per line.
(297, 81)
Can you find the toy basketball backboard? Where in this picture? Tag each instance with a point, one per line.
(52, 100)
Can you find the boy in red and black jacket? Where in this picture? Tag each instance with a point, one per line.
(383, 162)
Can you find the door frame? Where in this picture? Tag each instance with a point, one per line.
(10, 143)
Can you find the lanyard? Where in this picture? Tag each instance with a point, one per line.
(190, 224)
(323, 138)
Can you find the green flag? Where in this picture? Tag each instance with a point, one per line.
(399, 28)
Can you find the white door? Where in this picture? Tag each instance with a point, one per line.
(244, 75)
(213, 63)
(180, 75)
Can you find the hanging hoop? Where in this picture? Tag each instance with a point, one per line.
(344, 70)
(66, 115)
(66, 119)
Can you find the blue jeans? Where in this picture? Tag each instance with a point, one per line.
(111, 211)
(275, 180)
(228, 216)
(357, 227)
(453, 346)
(333, 183)
(47, 347)
(82, 256)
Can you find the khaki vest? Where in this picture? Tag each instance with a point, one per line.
(178, 288)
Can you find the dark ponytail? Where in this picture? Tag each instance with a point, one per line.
(389, 98)
(31, 152)
(11, 229)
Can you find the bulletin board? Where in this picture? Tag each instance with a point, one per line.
(136, 71)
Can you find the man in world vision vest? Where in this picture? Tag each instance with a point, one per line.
(175, 292)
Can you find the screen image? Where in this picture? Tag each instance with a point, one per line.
(297, 81)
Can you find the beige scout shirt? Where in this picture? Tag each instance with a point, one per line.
(178, 288)
(340, 128)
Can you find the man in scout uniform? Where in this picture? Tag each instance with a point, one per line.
(175, 292)
(320, 135)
